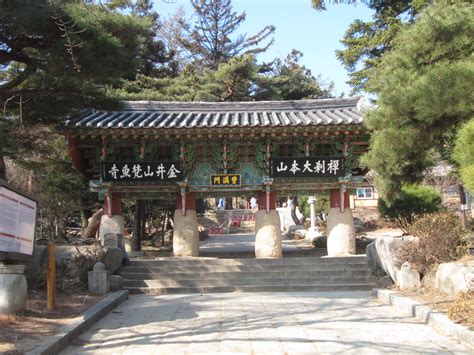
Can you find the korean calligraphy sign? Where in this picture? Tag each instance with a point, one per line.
(225, 180)
(307, 167)
(142, 171)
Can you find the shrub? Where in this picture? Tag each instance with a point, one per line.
(412, 201)
(440, 238)
(462, 309)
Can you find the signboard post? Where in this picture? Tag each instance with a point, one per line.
(17, 222)
(17, 236)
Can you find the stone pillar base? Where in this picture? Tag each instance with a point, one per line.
(267, 235)
(340, 232)
(185, 234)
(13, 289)
(114, 224)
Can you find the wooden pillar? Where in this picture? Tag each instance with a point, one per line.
(190, 201)
(339, 199)
(138, 225)
(262, 200)
(113, 204)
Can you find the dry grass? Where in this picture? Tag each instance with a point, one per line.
(21, 333)
(461, 310)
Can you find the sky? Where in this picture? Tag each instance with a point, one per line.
(298, 26)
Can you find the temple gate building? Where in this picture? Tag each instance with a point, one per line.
(188, 150)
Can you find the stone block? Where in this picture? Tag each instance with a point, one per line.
(113, 258)
(116, 282)
(340, 232)
(386, 249)
(13, 289)
(185, 234)
(98, 280)
(408, 278)
(455, 277)
(114, 224)
(268, 242)
(110, 240)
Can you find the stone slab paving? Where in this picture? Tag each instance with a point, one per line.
(261, 323)
(233, 243)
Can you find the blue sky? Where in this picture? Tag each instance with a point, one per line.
(298, 26)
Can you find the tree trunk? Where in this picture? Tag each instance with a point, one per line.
(3, 167)
(85, 215)
(93, 225)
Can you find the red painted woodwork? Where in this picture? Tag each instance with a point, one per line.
(262, 200)
(113, 203)
(190, 201)
(335, 198)
(75, 155)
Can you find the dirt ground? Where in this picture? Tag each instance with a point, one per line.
(19, 334)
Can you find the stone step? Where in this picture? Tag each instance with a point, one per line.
(336, 280)
(159, 262)
(238, 275)
(260, 288)
(244, 268)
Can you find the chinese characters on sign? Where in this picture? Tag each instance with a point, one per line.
(148, 171)
(17, 222)
(222, 180)
(307, 167)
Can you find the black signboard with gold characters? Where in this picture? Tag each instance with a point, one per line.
(225, 180)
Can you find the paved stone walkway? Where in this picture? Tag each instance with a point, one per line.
(260, 323)
(234, 243)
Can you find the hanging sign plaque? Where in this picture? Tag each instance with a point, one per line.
(307, 167)
(142, 171)
(225, 180)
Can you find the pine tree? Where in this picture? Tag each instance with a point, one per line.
(424, 87)
(209, 40)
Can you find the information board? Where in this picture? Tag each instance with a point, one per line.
(17, 222)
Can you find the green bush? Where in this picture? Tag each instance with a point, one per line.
(440, 238)
(412, 201)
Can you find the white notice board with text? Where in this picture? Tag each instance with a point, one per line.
(17, 222)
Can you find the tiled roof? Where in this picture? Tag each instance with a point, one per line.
(154, 114)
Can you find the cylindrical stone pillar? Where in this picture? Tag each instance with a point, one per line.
(340, 226)
(268, 234)
(13, 289)
(185, 233)
(112, 220)
(313, 231)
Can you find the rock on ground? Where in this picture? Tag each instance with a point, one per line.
(452, 278)
(408, 278)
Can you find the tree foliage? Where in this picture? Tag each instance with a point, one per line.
(464, 153)
(412, 201)
(424, 87)
(57, 56)
(212, 39)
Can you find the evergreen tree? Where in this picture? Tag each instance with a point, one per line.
(209, 41)
(464, 154)
(424, 87)
(288, 80)
(56, 57)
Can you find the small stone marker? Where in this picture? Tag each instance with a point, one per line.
(116, 282)
(98, 280)
(13, 289)
(111, 240)
(113, 259)
(408, 278)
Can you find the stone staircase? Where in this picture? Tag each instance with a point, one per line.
(203, 275)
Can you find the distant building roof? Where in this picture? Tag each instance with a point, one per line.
(155, 114)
